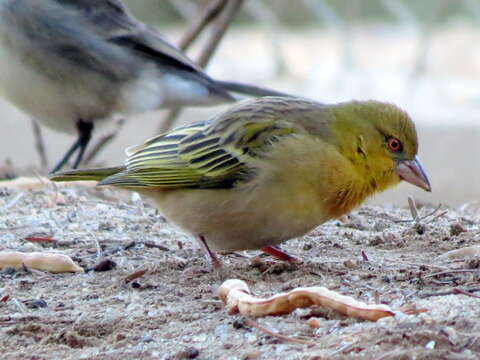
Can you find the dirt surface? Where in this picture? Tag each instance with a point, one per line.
(173, 312)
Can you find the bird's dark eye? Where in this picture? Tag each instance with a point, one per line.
(394, 145)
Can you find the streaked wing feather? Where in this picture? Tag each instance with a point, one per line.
(207, 154)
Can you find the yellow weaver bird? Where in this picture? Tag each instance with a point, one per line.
(269, 169)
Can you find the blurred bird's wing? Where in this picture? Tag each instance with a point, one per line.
(112, 21)
(214, 154)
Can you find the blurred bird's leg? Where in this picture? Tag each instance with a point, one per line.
(84, 135)
(209, 254)
(279, 254)
(66, 157)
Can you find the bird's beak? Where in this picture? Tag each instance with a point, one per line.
(412, 171)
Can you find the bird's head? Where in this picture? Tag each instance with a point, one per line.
(381, 141)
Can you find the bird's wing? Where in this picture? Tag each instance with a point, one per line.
(112, 21)
(214, 154)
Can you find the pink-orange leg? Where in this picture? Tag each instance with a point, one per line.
(209, 254)
(279, 254)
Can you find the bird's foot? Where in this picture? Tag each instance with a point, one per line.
(209, 254)
(281, 255)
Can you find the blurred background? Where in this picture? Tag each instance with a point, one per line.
(421, 55)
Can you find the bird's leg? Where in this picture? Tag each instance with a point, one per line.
(279, 254)
(210, 255)
(84, 135)
(66, 157)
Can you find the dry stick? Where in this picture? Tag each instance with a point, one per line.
(256, 325)
(407, 263)
(40, 144)
(454, 291)
(463, 292)
(451, 272)
(218, 31)
(150, 244)
(212, 10)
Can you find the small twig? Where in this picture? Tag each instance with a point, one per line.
(342, 348)
(437, 216)
(256, 325)
(390, 355)
(450, 292)
(21, 307)
(211, 11)
(413, 208)
(463, 292)
(451, 272)
(40, 144)
(169, 119)
(364, 256)
(130, 245)
(218, 31)
(118, 249)
(433, 212)
(416, 264)
(33, 271)
(97, 246)
(150, 244)
(415, 217)
(16, 199)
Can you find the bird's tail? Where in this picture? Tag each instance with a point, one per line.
(87, 174)
(250, 90)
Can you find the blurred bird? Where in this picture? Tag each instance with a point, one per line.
(269, 169)
(73, 63)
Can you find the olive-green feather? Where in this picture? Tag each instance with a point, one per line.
(212, 154)
(86, 175)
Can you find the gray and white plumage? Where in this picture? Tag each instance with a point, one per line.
(64, 60)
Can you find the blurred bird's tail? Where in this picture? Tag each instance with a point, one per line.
(249, 90)
(86, 175)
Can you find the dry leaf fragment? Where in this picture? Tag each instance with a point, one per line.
(55, 263)
(133, 276)
(41, 239)
(235, 294)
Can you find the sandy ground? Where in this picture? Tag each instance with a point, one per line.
(173, 312)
